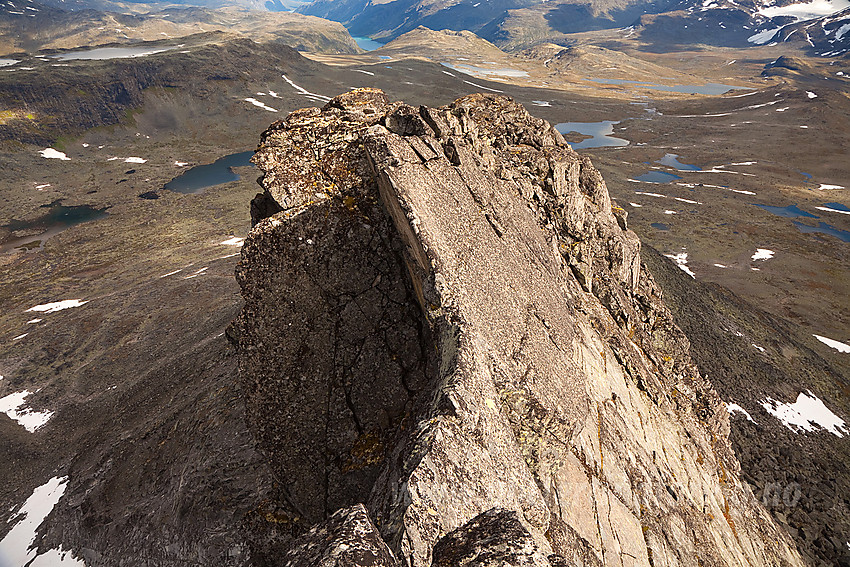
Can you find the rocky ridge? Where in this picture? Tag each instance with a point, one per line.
(452, 354)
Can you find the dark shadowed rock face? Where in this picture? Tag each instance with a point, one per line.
(445, 314)
(346, 539)
(491, 539)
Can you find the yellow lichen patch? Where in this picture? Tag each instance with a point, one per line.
(8, 115)
(349, 203)
(368, 450)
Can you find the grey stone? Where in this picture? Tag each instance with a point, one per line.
(448, 315)
(346, 539)
(495, 538)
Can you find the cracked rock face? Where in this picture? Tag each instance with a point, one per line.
(447, 320)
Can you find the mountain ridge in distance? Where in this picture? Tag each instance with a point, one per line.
(42, 26)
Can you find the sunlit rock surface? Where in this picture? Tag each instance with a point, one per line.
(446, 316)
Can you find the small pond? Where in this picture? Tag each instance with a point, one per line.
(220, 171)
(599, 132)
(823, 228)
(102, 53)
(706, 89)
(672, 160)
(789, 212)
(57, 219)
(485, 72)
(657, 177)
(660, 226)
(367, 43)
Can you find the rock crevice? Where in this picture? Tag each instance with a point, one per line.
(447, 319)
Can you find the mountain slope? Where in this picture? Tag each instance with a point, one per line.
(388, 20)
(821, 27)
(40, 26)
(798, 474)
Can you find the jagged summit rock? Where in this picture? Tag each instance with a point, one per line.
(447, 320)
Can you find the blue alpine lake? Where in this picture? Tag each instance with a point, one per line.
(672, 160)
(789, 212)
(367, 43)
(57, 218)
(657, 177)
(201, 177)
(599, 132)
(823, 228)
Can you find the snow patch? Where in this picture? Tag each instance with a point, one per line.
(181, 163)
(681, 260)
(826, 186)
(134, 159)
(763, 254)
(13, 406)
(808, 413)
(830, 210)
(233, 241)
(832, 343)
(304, 91)
(259, 104)
(197, 273)
(763, 37)
(51, 153)
(810, 94)
(733, 408)
(806, 10)
(57, 306)
(483, 87)
(365, 72)
(16, 546)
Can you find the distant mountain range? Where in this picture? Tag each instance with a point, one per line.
(28, 26)
(822, 25)
(132, 6)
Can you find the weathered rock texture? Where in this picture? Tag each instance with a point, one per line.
(445, 314)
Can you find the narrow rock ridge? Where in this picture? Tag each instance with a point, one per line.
(447, 320)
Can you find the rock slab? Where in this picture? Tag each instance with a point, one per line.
(445, 315)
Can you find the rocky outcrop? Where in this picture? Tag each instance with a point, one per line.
(448, 320)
